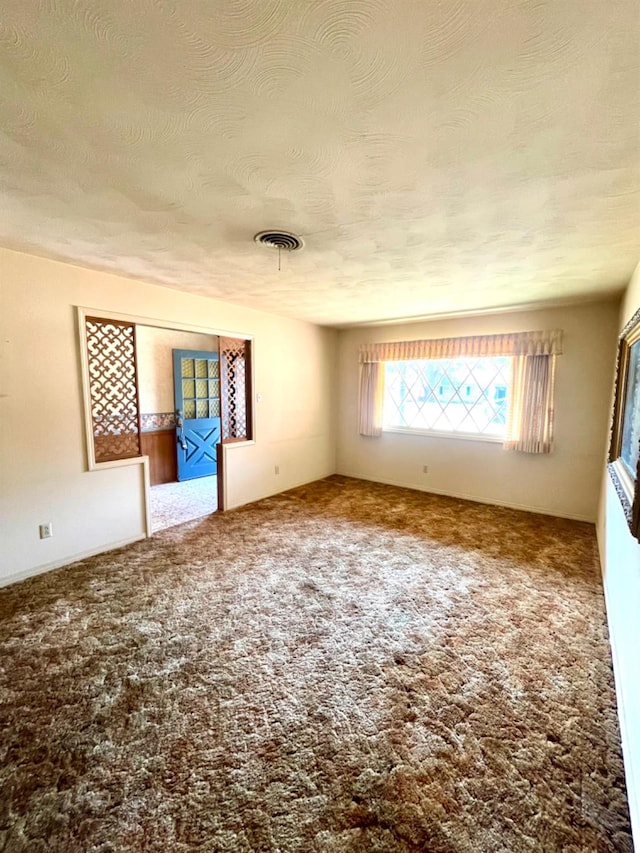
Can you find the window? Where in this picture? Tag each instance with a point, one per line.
(497, 386)
(460, 395)
(624, 450)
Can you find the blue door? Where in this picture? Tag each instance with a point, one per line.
(196, 380)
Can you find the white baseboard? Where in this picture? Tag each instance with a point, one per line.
(73, 558)
(419, 487)
(286, 488)
(66, 561)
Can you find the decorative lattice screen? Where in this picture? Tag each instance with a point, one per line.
(235, 364)
(111, 356)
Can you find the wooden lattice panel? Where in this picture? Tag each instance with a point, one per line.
(111, 357)
(234, 362)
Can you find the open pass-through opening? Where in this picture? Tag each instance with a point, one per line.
(173, 396)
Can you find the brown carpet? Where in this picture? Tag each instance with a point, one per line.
(344, 667)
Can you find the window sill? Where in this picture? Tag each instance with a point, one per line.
(432, 433)
(116, 463)
(625, 479)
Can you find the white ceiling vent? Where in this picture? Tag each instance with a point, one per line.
(282, 240)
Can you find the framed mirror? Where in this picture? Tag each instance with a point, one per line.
(624, 450)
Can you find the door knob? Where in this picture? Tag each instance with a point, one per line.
(180, 430)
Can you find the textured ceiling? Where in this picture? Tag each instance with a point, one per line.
(435, 156)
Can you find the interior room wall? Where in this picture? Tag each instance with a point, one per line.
(565, 483)
(620, 559)
(154, 350)
(42, 452)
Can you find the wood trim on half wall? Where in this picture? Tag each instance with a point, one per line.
(220, 476)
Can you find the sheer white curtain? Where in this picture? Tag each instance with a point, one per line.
(371, 398)
(530, 418)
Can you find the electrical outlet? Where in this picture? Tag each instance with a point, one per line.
(425, 469)
(46, 530)
(277, 469)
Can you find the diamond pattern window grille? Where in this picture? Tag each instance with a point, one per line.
(113, 386)
(465, 395)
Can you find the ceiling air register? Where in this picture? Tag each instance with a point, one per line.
(283, 241)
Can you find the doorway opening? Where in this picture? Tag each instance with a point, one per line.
(169, 399)
(175, 503)
(179, 393)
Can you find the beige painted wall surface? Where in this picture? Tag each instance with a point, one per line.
(620, 558)
(565, 483)
(155, 363)
(42, 455)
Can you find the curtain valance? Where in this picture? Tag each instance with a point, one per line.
(511, 344)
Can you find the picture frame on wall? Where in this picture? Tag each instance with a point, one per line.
(624, 449)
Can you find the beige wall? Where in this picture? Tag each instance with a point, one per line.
(565, 483)
(620, 559)
(43, 468)
(155, 363)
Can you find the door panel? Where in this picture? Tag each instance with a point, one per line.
(196, 376)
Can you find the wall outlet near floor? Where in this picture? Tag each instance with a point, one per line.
(425, 469)
(277, 469)
(46, 530)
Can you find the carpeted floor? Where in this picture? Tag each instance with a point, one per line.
(175, 503)
(343, 667)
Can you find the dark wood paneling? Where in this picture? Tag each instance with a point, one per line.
(220, 467)
(109, 448)
(160, 447)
